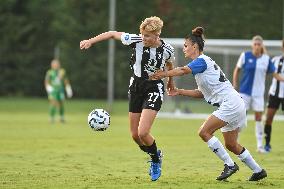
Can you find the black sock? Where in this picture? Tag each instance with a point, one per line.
(267, 131)
(144, 148)
(242, 150)
(152, 151)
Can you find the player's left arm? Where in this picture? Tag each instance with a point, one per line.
(278, 76)
(272, 69)
(178, 71)
(170, 83)
(68, 88)
(183, 92)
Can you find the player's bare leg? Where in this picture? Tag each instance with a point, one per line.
(206, 133)
(146, 121)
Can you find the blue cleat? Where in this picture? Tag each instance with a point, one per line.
(267, 148)
(160, 154)
(155, 171)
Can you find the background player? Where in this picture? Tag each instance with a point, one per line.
(150, 53)
(276, 97)
(255, 65)
(55, 82)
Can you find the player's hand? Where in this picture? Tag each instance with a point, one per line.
(159, 74)
(69, 91)
(85, 44)
(173, 92)
(170, 85)
(48, 89)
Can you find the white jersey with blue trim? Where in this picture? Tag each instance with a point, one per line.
(211, 81)
(277, 87)
(146, 60)
(254, 73)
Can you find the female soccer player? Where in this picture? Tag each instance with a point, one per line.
(276, 97)
(55, 81)
(230, 116)
(255, 64)
(145, 96)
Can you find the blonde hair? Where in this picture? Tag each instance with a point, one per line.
(260, 39)
(152, 24)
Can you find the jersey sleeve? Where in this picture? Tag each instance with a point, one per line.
(171, 53)
(47, 76)
(271, 67)
(62, 74)
(128, 39)
(241, 60)
(197, 66)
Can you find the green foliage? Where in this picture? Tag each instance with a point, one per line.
(31, 30)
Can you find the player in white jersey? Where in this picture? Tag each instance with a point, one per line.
(215, 88)
(276, 97)
(255, 65)
(150, 53)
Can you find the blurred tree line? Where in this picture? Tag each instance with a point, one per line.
(30, 30)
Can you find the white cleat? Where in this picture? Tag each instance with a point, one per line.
(261, 150)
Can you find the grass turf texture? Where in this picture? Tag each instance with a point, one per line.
(37, 154)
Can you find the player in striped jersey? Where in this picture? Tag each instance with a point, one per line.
(217, 90)
(276, 97)
(255, 65)
(150, 53)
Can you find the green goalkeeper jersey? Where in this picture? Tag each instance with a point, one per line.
(56, 79)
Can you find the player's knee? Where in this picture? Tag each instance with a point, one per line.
(142, 134)
(268, 120)
(203, 133)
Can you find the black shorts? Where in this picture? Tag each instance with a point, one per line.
(274, 102)
(145, 94)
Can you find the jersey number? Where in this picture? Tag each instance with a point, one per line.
(222, 75)
(153, 95)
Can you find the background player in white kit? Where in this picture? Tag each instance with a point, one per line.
(230, 116)
(255, 65)
(276, 97)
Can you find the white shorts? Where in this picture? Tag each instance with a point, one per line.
(256, 103)
(233, 112)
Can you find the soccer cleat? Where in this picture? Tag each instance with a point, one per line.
(261, 150)
(258, 176)
(155, 171)
(160, 154)
(228, 171)
(267, 148)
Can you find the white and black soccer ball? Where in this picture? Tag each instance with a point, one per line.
(99, 119)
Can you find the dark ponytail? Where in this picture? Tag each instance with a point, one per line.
(197, 37)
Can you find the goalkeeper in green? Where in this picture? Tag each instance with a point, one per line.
(55, 83)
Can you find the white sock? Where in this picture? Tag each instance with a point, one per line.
(259, 133)
(249, 161)
(216, 146)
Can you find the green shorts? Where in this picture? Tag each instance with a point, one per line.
(56, 95)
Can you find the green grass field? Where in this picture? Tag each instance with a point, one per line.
(37, 154)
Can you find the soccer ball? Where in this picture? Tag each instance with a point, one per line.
(99, 119)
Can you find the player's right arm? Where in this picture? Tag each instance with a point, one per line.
(85, 44)
(237, 69)
(47, 84)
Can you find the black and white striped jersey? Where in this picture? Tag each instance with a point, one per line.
(277, 87)
(145, 60)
